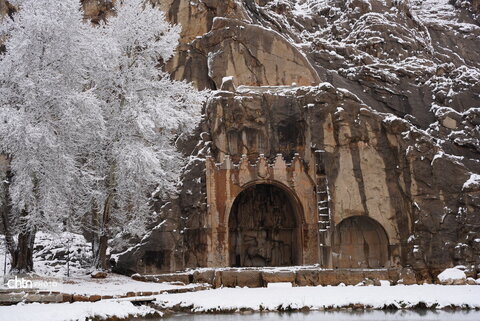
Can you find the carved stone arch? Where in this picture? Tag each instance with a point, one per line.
(227, 180)
(360, 242)
(265, 226)
(289, 192)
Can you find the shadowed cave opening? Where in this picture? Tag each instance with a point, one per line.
(360, 242)
(263, 229)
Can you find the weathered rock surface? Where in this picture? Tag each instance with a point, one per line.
(254, 55)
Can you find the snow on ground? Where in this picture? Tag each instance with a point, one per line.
(50, 253)
(72, 311)
(317, 298)
(257, 299)
(114, 285)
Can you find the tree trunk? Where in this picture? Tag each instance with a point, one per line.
(21, 253)
(102, 233)
(101, 253)
(6, 204)
(101, 239)
(22, 261)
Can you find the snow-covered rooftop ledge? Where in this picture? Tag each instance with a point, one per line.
(324, 298)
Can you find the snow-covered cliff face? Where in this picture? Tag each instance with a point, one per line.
(413, 68)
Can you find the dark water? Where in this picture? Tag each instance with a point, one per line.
(336, 316)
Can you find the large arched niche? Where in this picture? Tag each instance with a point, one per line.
(264, 227)
(360, 242)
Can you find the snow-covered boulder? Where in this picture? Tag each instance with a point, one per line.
(452, 276)
(98, 274)
(471, 281)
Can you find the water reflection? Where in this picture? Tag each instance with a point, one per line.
(416, 315)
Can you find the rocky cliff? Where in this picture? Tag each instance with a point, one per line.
(399, 120)
(388, 90)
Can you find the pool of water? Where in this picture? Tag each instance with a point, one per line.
(417, 315)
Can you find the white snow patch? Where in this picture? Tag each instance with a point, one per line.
(473, 181)
(279, 285)
(115, 285)
(384, 283)
(451, 275)
(322, 297)
(73, 311)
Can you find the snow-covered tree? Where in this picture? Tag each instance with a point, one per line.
(48, 115)
(144, 112)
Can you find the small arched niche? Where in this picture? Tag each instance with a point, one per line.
(360, 242)
(264, 228)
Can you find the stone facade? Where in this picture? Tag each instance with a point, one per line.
(254, 149)
(226, 181)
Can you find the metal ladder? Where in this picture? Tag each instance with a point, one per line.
(324, 215)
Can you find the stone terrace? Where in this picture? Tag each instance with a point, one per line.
(297, 275)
